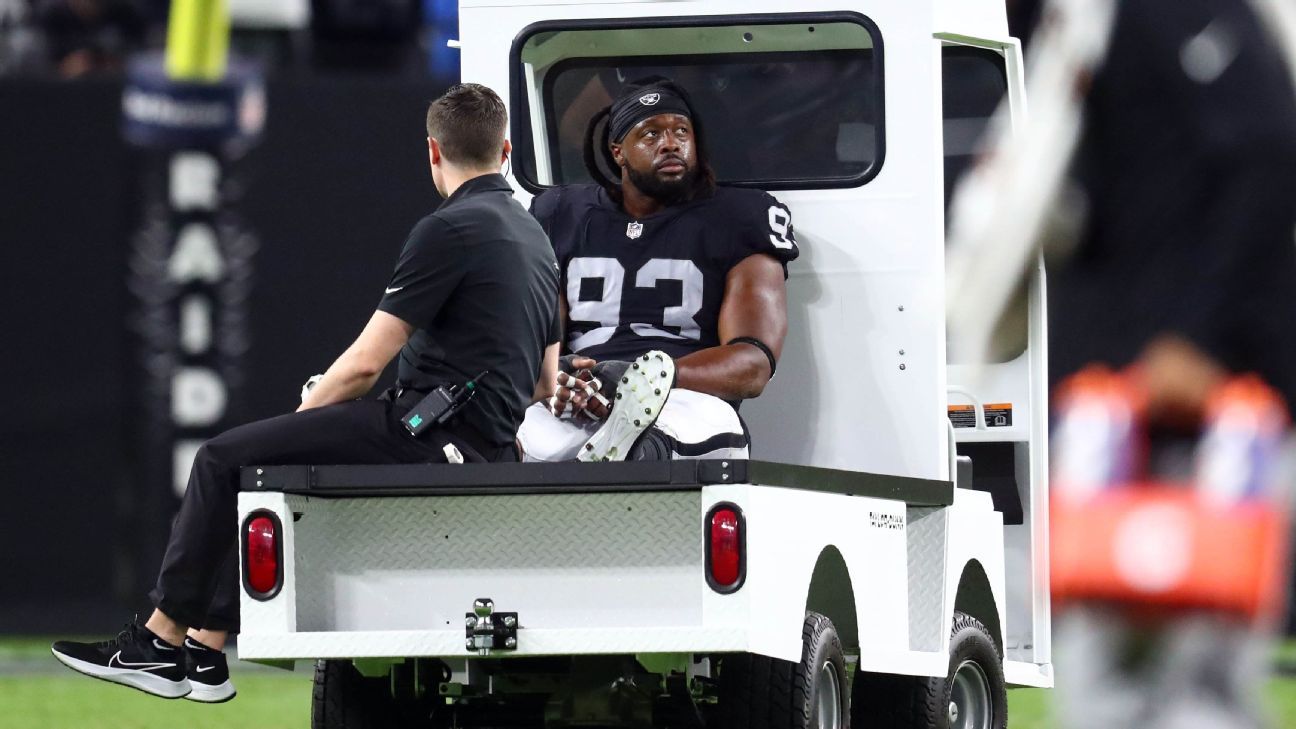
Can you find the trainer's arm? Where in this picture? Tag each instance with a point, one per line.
(358, 368)
(755, 305)
(547, 385)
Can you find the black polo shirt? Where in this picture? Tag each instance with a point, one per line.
(478, 282)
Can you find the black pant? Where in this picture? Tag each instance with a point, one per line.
(198, 585)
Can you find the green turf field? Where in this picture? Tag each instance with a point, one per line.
(38, 693)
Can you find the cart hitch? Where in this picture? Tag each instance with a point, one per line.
(488, 630)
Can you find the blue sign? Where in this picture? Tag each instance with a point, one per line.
(160, 112)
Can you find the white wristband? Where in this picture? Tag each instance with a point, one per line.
(309, 384)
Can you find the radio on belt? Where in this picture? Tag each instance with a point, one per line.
(488, 630)
(439, 406)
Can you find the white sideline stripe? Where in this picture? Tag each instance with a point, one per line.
(206, 694)
(141, 680)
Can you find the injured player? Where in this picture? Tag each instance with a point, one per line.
(673, 293)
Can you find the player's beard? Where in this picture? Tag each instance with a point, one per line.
(666, 192)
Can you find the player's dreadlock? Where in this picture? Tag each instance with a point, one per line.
(613, 187)
(598, 143)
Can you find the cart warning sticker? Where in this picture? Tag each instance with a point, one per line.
(997, 415)
(883, 520)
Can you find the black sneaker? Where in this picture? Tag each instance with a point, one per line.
(135, 658)
(208, 673)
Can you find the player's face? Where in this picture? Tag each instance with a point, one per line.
(659, 157)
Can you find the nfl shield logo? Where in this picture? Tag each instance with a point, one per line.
(634, 229)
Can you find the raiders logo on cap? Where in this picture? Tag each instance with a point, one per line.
(649, 99)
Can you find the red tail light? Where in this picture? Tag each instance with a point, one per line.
(726, 563)
(262, 571)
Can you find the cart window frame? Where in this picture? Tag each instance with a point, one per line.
(523, 127)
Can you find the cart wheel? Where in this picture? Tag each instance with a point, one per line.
(343, 699)
(971, 696)
(758, 692)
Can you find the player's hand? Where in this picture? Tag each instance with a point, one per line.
(560, 404)
(575, 390)
(595, 387)
(596, 402)
(609, 375)
(574, 363)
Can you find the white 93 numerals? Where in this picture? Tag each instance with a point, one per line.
(606, 311)
(780, 223)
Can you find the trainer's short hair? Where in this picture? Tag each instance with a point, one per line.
(469, 120)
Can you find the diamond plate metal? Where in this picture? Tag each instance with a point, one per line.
(928, 536)
(561, 560)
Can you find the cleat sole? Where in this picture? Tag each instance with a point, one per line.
(639, 400)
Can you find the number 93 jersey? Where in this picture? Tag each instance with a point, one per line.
(632, 285)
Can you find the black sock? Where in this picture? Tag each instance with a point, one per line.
(195, 644)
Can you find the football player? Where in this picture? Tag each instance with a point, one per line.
(672, 292)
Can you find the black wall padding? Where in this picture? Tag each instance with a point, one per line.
(337, 182)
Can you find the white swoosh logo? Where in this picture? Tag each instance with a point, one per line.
(200, 669)
(392, 291)
(116, 658)
(1207, 55)
(162, 646)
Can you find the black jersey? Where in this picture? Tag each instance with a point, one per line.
(656, 282)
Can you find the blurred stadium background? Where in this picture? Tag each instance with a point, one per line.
(308, 221)
(316, 210)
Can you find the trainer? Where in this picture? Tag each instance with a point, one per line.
(473, 299)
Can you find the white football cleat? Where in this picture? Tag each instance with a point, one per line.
(640, 396)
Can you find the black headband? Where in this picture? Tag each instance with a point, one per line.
(641, 104)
